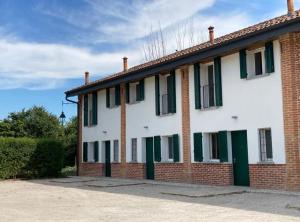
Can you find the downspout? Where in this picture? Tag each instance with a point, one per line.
(78, 139)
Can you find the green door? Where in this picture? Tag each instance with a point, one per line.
(240, 158)
(107, 159)
(149, 159)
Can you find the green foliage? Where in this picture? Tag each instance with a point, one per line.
(25, 157)
(35, 122)
(71, 142)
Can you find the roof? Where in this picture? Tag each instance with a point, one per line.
(292, 21)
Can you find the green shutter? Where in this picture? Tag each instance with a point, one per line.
(117, 95)
(107, 98)
(157, 149)
(141, 90)
(269, 56)
(243, 64)
(86, 110)
(222, 143)
(127, 93)
(138, 92)
(95, 108)
(176, 147)
(198, 156)
(85, 152)
(171, 88)
(197, 86)
(96, 151)
(218, 81)
(157, 95)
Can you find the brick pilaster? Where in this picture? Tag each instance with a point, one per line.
(79, 136)
(123, 131)
(186, 130)
(290, 71)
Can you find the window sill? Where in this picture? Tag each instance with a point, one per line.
(167, 114)
(134, 103)
(212, 161)
(253, 76)
(167, 162)
(91, 126)
(265, 162)
(210, 108)
(113, 107)
(133, 162)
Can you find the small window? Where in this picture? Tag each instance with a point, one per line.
(134, 149)
(112, 98)
(265, 143)
(170, 148)
(258, 63)
(208, 87)
(134, 89)
(116, 151)
(214, 146)
(90, 153)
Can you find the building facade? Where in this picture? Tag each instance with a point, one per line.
(225, 112)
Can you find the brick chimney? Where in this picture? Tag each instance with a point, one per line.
(290, 5)
(125, 64)
(86, 78)
(211, 34)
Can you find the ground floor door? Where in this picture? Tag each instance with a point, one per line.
(107, 159)
(240, 158)
(149, 159)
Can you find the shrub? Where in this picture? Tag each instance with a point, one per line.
(24, 157)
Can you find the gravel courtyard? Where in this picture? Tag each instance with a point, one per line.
(103, 199)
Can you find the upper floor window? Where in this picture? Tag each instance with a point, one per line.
(265, 144)
(257, 62)
(165, 93)
(135, 92)
(90, 107)
(208, 84)
(113, 98)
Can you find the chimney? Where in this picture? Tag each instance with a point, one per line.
(125, 64)
(291, 8)
(86, 78)
(211, 34)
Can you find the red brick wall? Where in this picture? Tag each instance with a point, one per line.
(169, 172)
(267, 176)
(212, 173)
(91, 169)
(136, 170)
(290, 69)
(116, 170)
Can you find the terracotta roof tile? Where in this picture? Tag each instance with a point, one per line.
(218, 41)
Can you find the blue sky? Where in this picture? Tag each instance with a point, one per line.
(47, 45)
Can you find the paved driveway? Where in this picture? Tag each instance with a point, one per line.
(102, 199)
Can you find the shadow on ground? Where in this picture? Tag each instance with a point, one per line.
(265, 201)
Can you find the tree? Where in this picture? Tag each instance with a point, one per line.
(35, 122)
(71, 141)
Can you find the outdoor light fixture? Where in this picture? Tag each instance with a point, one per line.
(234, 117)
(62, 116)
(146, 127)
(104, 131)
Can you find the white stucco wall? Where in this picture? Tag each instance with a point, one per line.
(142, 114)
(256, 102)
(109, 120)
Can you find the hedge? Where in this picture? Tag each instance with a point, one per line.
(30, 158)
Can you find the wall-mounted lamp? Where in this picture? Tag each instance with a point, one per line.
(146, 127)
(235, 117)
(104, 131)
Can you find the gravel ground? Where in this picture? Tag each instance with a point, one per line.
(103, 199)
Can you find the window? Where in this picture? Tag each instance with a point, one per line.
(214, 146)
(134, 149)
(255, 62)
(170, 148)
(112, 100)
(165, 92)
(90, 109)
(208, 86)
(90, 151)
(116, 151)
(265, 143)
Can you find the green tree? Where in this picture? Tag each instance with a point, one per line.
(71, 141)
(35, 122)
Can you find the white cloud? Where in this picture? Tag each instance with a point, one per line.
(31, 65)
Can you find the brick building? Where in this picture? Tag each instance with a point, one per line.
(225, 112)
